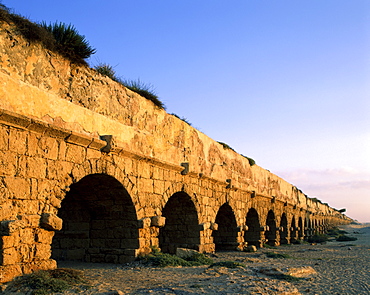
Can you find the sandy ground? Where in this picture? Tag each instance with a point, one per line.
(332, 268)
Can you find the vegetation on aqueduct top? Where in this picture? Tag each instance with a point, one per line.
(66, 41)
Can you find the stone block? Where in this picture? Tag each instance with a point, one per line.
(44, 236)
(214, 226)
(125, 259)
(8, 163)
(97, 243)
(50, 221)
(18, 141)
(144, 222)
(37, 126)
(8, 272)
(27, 235)
(8, 227)
(13, 119)
(79, 139)
(19, 187)
(204, 226)
(43, 251)
(93, 154)
(129, 243)
(36, 167)
(75, 154)
(158, 221)
(7, 242)
(97, 144)
(146, 185)
(9, 256)
(4, 138)
(76, 254)
(30, 220)
(250, 248)
(57, 132)
(185, 253)
(97, 258)
(132, 252)
(48, 148)
(111, 258)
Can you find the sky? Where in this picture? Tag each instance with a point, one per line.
(285, 82)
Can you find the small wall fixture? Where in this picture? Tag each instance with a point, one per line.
(109, 140)
(186, 168)
(253, 194)
(228, 183)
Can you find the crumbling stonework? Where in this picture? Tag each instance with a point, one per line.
(91, 171)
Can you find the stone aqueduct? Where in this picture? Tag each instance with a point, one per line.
(91, 171)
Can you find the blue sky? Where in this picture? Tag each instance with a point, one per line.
(283, 82)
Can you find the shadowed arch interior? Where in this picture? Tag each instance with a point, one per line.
(99, 222)
(270, 234)
(181, 229)
(284, 229)
(253, 235)
(293, 231)
(300, 228)
(225, 238)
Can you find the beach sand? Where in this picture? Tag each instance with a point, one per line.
(330, 268)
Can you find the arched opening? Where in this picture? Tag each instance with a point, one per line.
(99, 222)
(225, 238)
(307, 230)
(300, 229)
(270, 233)
(293, 231)
(253, 235)
(284, 230)
(181, 229)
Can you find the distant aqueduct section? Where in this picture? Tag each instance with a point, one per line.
(91, 171)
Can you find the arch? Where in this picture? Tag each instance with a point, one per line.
(99, 222)
(270, 233)
(181, 229)
(225, 238)
(306, 222)
(300, 228)
(284, 230)
(253, 235)
(293, 231)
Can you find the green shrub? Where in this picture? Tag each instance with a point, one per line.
(57, 37)
(29, 30)
(286, 277)
(160, 259)
(335, 232)
(145, 90)
(228, 264)
(267, 246)
(46, 281)
(276, 255)
(344, 238)
(318, 238)
(69, 42)
(226, 146)
(106, 70)
(250, 160)
(182, 119)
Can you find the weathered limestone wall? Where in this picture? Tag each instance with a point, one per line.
(109, 206)
(42, 85)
